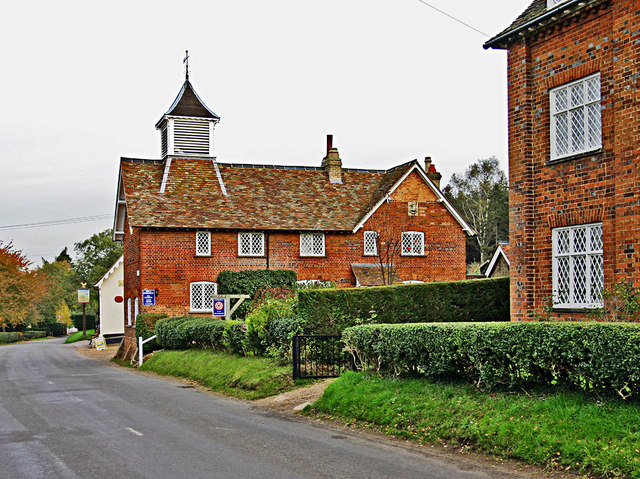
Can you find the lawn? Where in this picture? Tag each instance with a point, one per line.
(559, 429)
(77, 336)
(242, 377)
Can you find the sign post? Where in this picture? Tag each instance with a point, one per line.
(221, 304)
(83, 297)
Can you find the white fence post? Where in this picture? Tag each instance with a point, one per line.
(140, 347)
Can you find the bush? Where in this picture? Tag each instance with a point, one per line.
(12, 337)
(34, 334)
(280, 336)
(234, 336)
(249, 282)
(76, 319)
(598, 357)
(259, 320)
(146, 327)
(185, 333)
(332, 310)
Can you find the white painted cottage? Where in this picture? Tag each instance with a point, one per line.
(111, 294)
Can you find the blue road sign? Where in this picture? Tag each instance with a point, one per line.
(219, 307)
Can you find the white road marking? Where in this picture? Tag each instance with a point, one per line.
(137, 433)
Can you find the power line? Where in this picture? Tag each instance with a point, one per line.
(67, 221)
(453, 18)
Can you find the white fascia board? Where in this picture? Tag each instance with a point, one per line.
(494, 260)
(110, 272)
(434, 189)
(119, 203)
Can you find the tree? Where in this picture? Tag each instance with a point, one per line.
(64, 256)
(63, 314)
(61, 283)
(19, 287)
(482, 196)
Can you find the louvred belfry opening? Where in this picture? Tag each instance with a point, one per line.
(186, 129)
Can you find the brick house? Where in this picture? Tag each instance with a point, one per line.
(186, 217)
(574, 175)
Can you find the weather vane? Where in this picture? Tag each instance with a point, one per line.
(186, 63)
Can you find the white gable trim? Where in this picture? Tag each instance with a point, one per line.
(110, 272)
(494, 260)
(120, 210)
(441, 198)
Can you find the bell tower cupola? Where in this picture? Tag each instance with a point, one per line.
(186, 129)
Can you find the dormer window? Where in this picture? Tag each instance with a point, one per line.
(554, 3)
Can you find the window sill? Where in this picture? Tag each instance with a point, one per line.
(370, 255)
(406, 255)
(313, 256)
(203, 256)
(578, 309)
(201, 312)
(577, 156)
(251, 256)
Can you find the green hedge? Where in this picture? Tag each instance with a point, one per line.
(13, 337)
(600, 357)
(76, 318)
(145, 327)
(34, 334)
(332, 310)
(187, 332)
(250, 281)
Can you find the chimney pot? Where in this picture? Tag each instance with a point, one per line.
(432, 173)
(329, 143)
(332, 162)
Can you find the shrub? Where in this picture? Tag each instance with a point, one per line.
(280, 336)
(599, 357)
(249, 282)
(76, 319)
(146, 327)
(332, 310)
(234, 336)
(186, 332)
(12, 337)
(34, 334)
(258, 322)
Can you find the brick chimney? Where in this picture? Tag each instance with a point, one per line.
(431, 171)
(332, 162)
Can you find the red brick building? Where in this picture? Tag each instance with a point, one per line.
(186, 217)
(574, 131)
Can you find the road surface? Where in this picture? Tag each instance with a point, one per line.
(63, 415)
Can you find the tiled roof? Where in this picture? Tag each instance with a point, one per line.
(543, 16)
(371, 274)
(259, 197)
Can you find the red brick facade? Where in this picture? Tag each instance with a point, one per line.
(598, 187)
(165, 259)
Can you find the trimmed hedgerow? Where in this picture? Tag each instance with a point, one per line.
(33, 334)
(234, 336)
(12, 337)
(146, 327)
(599, 357)
(76, 319)
(250, 281)
(332, 310)
(185, 333)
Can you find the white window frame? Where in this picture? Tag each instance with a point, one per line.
(592, 255)
(412, 234)
(128, 311)
(310, 252)
(571, 113)
(370, 238)
(203, 237)
(251, 235)
(203, 308)
(136, 309)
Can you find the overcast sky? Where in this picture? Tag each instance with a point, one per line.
(84, 84)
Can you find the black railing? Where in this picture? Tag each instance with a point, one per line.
(319, 356)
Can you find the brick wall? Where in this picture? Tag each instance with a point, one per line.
(167, 259)
(598, 187)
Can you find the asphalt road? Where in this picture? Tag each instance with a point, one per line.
(63, 415)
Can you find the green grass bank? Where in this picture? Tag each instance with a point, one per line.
(241, 377)
(77, 336)
(567, 430)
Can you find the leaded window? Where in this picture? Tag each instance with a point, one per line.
(576, 123)
(578, 275)
(202, 293)
(370, 243)
(412, 243)
(311, 244)
(203, 243)
(251, 244)
(128, 311)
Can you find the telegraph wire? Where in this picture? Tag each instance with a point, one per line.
(67, 221)
(453, 18)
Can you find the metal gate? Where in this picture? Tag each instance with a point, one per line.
(319, 356)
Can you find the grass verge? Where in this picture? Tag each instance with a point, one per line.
(563, 430)
(77, 336)
(246, 378)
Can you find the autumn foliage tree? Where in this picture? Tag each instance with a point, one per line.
(20, 287)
